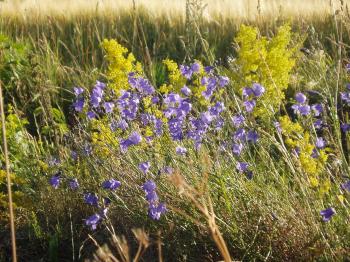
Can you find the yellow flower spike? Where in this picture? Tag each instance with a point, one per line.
(325, 187)
(314, 182)
(120, 64)
(341, 198)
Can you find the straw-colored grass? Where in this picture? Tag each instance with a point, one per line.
(246, 9)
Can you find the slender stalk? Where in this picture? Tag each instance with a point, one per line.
(7, 164)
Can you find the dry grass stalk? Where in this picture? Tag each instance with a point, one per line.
(203, 203)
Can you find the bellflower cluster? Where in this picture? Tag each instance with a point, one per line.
(201, 125)
(177, 109)
(155, 208)
(188, 71)
(80, 101)
(144, 167)
(134, 139)
(345, 96)
(250, 94)
(301, 107)
(97, 94)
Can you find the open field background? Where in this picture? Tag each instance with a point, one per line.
(240, 9)
(49, 47)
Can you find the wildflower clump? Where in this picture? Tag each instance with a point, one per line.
(120, 64)
(312, 156)
(265, 61)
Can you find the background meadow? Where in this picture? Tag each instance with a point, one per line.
(258, 169)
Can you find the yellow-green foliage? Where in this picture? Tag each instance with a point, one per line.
(296, 137)
(120, 64)
(265, 61)
(19, 198)
(176, 80)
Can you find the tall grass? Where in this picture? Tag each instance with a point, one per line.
(273, 217)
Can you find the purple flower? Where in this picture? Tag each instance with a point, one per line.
(78, 91)
(167, 170)
(258, 89)
(315, 153)
(320, 143)
(111, 184)
(195, 67)
(318, 124)
(91, 115)
(134, 139)
(186, 91)
(149, 186)
(345, 127)
(303, 110)
(317, 109)
(347, 68)
(151, 196)
(73, 183)
(238, 120)
(175, 128)
(155, 211)
(91, 199)
(186, 71)
(327, 214)
(142, 85)
(249, 105)
(345, 97)
(108, 107)
(171, 99)
(300, 98)
(242, 166)
(278, 126)
(237, 149)
(155, 99)
(96, 95)
(249, 175)
(122, 124)
(223, 81)
(219, 123)
(252, 136)
(107, 201)
(93, 221)
(145, 166)
(217, 109)
(346, 186)
(208, 69)
(206, 117)
(240, 135)
(55, 181)
(181, 150)
(79, 104)
(247, 91)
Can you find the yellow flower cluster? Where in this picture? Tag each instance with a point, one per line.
(19, 199)
(176, 80)
(103, 139)
(296, 137)
(268, 62)
(120, 64)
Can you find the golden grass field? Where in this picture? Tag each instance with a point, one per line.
(246, 9)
